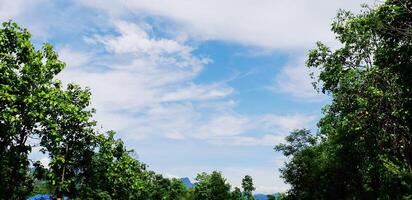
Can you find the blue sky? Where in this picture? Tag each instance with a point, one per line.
(192, 86)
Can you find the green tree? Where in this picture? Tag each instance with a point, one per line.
(34, 105)
(114, 173)
(189, 194)
(248, 188)
(297, 140)
(236, 194)
(304, 172)
(176, 189)
(368, 121)
(165, 189)
(366, 143)
(211, 187)
(68, 138)
(26, 76)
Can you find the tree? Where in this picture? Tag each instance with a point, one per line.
(26, 76)
(365, 148)
(34, 105)
(236, 194)
(369, 119)
(247, 185)
(176, 189)
(304, 172)
(114, 173)
(68, 138)
(298, 139)
(166, 189)
(211, 187)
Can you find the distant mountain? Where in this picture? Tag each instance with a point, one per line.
(187, 183)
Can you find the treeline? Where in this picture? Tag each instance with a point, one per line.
(38, 111)
(363, 149)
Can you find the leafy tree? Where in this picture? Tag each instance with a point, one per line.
(247, 185)
(303, 172)
(166, 189)
(189, 194)
(26, 76)
(298, 139)
(369, 119)
(176, 189)
(366, 143)
(114, 173)
(236, 194)
(211, 187)
(34, 105)
(68, 138)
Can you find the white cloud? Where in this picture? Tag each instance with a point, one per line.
(266, 140)
(293, 26)
(266, 130)
(18, 11)
(170, 176)
(73, 58)
(152, 92)
(135, 39)
(224, 126)
(155, 73)
(11, 9)
(286, 123)
(269, 24)
(264, 178)
(294, 79)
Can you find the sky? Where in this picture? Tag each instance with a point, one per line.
(192, 86)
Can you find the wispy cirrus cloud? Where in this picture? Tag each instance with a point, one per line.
(294, 79)
(292, 26)
(269, 24)
(262, 130)
(152, 92)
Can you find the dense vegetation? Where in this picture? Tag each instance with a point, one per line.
(363, 149)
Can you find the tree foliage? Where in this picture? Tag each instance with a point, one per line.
(211, 187)
(248, 188)
(236, 194)
(26, 81)
(365, 141)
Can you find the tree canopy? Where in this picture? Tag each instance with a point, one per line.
(364, 146)
(248, 188)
